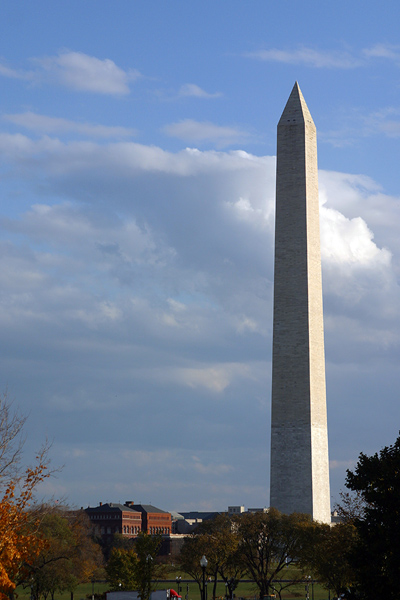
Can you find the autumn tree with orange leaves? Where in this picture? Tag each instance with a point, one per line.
(20, 541)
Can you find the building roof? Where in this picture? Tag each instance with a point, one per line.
(148, 508)
(203, 516)
(110, 507)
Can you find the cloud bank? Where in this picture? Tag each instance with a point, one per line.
(76, 71)
(136, 312)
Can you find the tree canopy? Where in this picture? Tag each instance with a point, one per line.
(121, 569)
(69, 556)
(325, 554)
(261, 546)
(218, 539)
(376, 556)
(269, 543)
(20, 540)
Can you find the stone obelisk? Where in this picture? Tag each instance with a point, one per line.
(299, 435)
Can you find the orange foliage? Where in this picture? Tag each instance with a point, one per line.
(19, 538)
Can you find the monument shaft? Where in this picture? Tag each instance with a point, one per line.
(299, 437)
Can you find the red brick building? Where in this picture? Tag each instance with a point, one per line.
(128, 519)
(154, 520)
(108, 519)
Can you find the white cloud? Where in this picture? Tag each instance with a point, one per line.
(55, 125)
(385, 120)
(192, 131)
(334, 59)
(82, 72)
(309, 57)
(193, 90)
(388, 51)
(77, 71)
(212, 468)
(215, 378)
(360, 196)
(6, 71)
(348, 242)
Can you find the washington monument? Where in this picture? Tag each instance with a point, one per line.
(299, 435)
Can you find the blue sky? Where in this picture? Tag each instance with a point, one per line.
(137, 148)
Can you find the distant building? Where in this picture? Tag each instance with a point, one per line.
(235, 510)
(154, 520)
(128, 519)
(186, 522)
(111, 518)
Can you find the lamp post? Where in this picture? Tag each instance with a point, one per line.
(149, 562)
(308, 579)
(203, 564)
(178, 584)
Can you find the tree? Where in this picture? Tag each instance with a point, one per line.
(194, 546)
(50, 572)
(11, 441)
(148, 571)
(121, 569)
(20, 541)
(69, 556)
(224, 551)
(351, 507)
(269, 543)
(326, 552)
(376, 556)
(218, 541)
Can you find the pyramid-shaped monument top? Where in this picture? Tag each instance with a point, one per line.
(296, 109)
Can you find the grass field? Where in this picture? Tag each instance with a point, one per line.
(244, 590)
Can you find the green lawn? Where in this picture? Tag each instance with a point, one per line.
(248, 590)
(244, 590)
(189, 591)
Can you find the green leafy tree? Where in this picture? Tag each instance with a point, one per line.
(269, 544)
(49, 572)
(376, 557)
(148, 570)
(191, 552)
(69, 555)
(221, 547)
(121, 569)
(326, 553)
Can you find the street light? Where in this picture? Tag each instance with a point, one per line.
(203, 564)
(149, 562)
(178, 583)
(308, 579)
